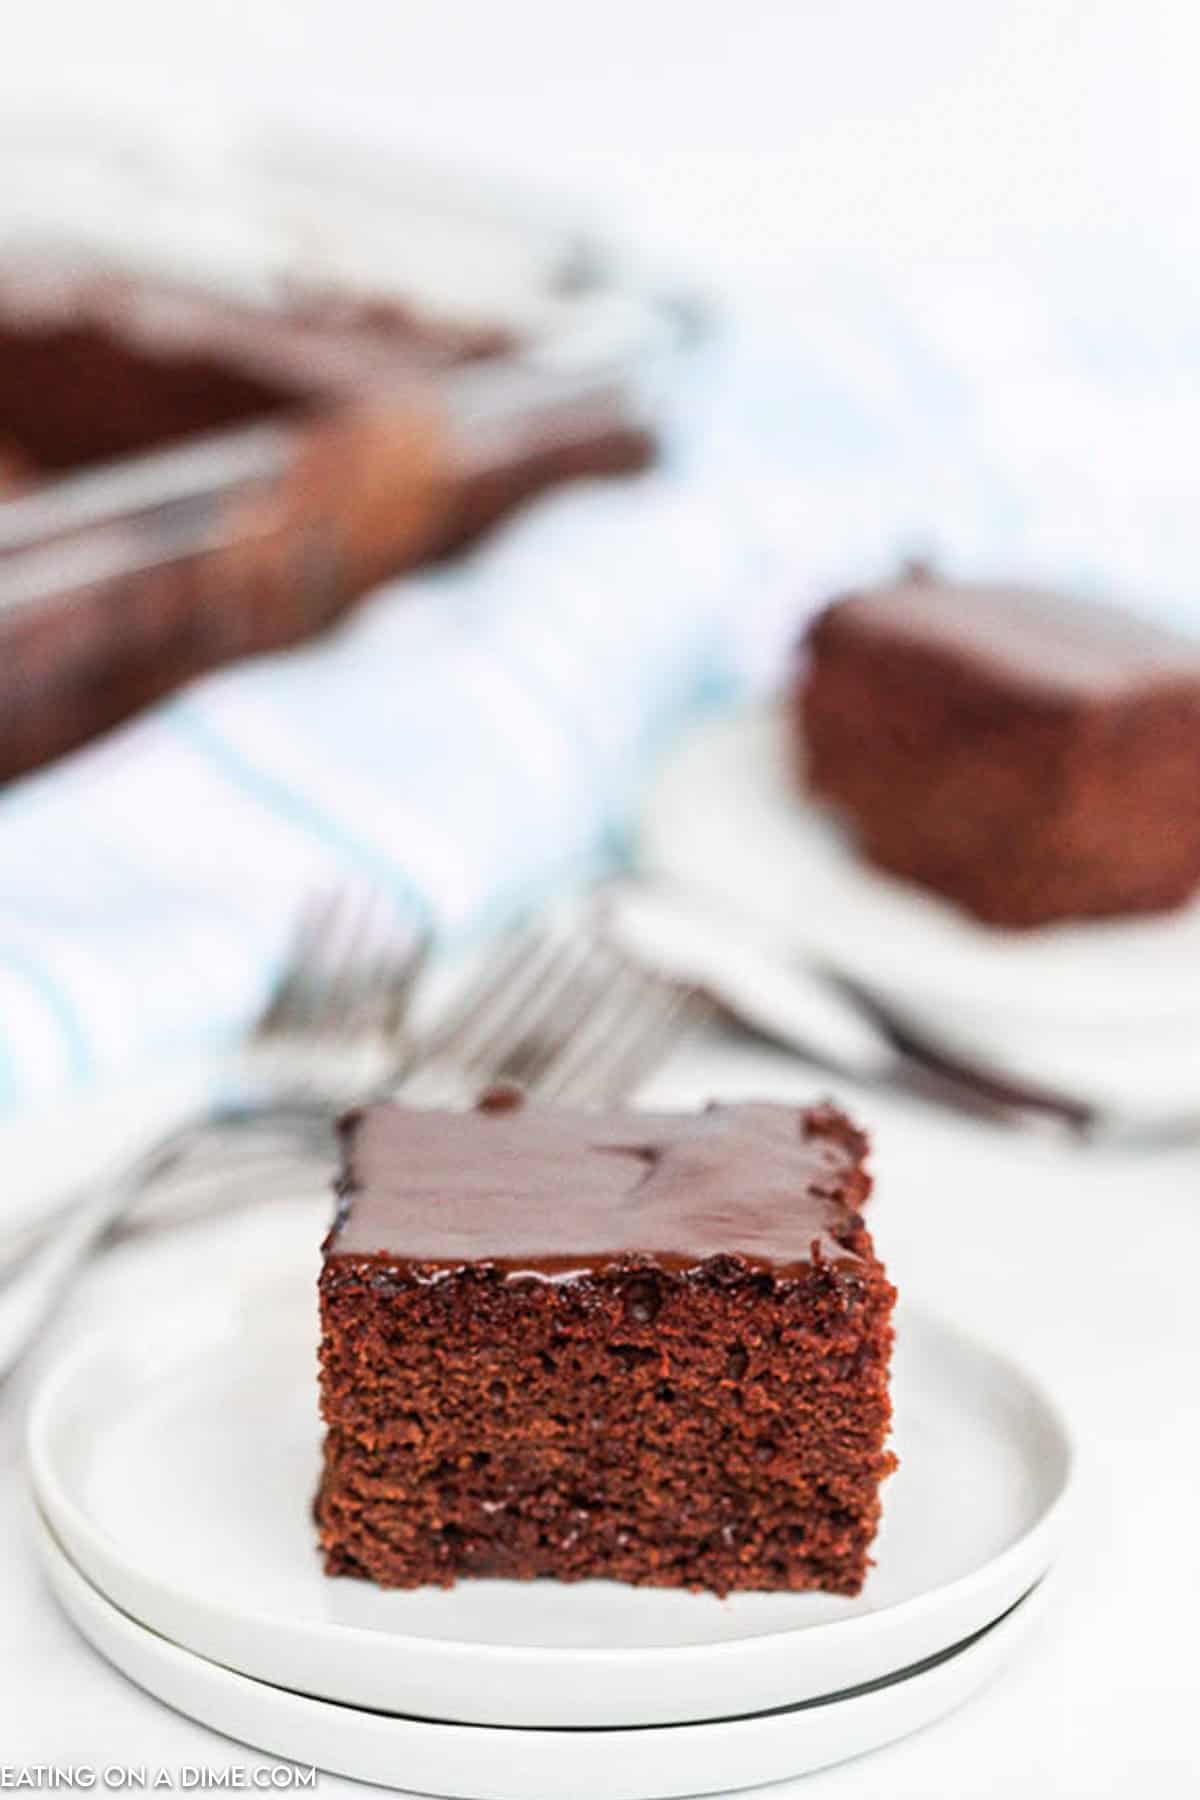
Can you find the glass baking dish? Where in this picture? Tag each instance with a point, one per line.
(214, 439)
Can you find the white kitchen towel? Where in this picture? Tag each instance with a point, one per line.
(468, 740)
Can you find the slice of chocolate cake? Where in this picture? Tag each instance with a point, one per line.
(648, 1347)
(1030, 757)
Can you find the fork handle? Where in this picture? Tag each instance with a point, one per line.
(32, 1295)
(82, 1220)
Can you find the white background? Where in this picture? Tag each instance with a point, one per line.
(744, 133)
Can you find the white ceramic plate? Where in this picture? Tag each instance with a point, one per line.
(726, 815)
(176, 1459)
(490, 1764)
(1109, 1010)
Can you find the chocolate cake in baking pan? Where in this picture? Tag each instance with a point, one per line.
(186, 479)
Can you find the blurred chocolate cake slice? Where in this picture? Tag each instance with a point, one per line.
(1029, 756)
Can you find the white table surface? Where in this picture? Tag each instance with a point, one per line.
(1082, 1262)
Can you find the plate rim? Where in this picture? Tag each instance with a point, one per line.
(71, 1521)
(981, 1660)
(924, 911)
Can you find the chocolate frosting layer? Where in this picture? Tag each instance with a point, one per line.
(536, 1191)
(1031, 636)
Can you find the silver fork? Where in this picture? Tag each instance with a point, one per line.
(330, 1032)
(568, 1016)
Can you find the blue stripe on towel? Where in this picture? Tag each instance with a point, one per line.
(79, 1059)
(277, 797)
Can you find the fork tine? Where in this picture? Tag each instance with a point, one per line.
(360, 968)
(641, 1037)
(630, 1061)
(286, 997)
(508, 1003)
(348, 972)
(503, 966)
(683, 1015)
(581, 989)
(534, 1030)
(569, 1015)
(581, 1039)
(437, 1075)
(401, 984)
(512, 1021)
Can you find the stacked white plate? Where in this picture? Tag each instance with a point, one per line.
(173, 1464)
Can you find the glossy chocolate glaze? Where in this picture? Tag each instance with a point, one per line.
(531, 1191)
(1028, 636)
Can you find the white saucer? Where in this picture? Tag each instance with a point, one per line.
(725, 817)
(176, 1458)
(488, 1764)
